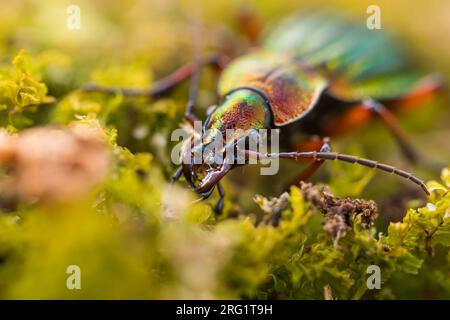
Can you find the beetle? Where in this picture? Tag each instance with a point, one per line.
(319, 74)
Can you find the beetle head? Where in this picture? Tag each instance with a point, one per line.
(208, 158)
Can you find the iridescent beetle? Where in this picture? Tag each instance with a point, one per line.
(318, 74)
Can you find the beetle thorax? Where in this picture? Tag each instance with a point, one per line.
(242, 111)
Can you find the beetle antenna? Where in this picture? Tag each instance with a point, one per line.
(351, 159)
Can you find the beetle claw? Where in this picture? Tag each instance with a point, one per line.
(218, 208)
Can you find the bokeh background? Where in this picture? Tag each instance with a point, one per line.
(117, 231)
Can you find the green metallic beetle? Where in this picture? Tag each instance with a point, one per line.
(318, 74)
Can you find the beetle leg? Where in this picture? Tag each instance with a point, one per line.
(195, 80)
(361, 113)
(218, 208)
(275, 221)
(390, 121)
(312, 168)
(176, 176)
(315, 165)
(162, 86)
(424, 91)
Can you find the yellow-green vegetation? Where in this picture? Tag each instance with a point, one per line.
(83, 175)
